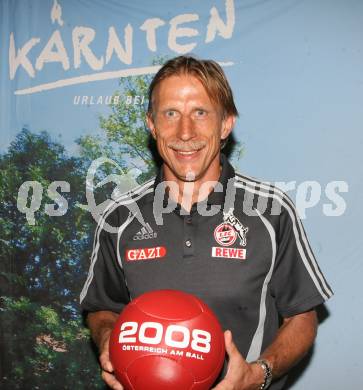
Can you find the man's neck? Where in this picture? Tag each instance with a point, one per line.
(186, 193)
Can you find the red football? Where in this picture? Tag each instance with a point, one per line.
(167, 339)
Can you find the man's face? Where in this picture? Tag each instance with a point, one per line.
(188, 128)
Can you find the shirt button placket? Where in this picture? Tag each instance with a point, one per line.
(188, 236)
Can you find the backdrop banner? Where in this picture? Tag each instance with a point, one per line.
(74, 77)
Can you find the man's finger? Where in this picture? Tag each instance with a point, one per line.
(111, 381)
(105, 362)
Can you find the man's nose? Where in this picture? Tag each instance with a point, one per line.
(186, 130)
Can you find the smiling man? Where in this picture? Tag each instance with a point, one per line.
(251, 264)
(188, 124)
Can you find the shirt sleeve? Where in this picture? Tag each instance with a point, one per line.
(297, 284)
(105, 287)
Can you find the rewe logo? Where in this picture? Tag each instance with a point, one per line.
(229, 253)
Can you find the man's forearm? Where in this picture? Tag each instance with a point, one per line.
(294, 339)
(101, 324)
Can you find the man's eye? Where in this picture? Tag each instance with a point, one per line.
(200, 113)
(170, 113)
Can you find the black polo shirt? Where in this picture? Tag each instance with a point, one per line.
(243, 251)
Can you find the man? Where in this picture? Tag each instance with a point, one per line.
(232, 241)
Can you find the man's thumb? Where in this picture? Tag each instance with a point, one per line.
(230, 345)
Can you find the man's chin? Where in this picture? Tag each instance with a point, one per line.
(188, 177)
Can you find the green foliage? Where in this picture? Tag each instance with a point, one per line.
(41, 270)
(44, 350)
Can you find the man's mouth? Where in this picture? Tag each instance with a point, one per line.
(186, 153)
(187, 148)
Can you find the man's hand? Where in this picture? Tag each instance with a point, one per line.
(293, 340)
(106, 365)
(101, 324)
(240, 375)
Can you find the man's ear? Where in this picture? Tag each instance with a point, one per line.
(150, 124)
(227, 126)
